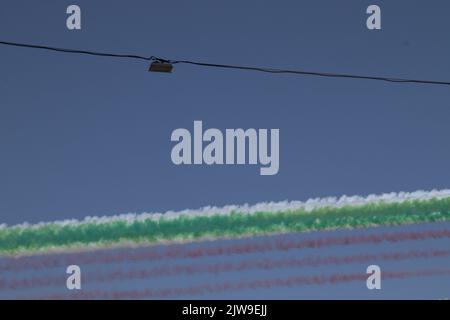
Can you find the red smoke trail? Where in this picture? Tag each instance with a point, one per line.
(180, 251)
(243, 285)
(267, 264)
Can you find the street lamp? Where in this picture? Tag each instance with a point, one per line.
(161, 66)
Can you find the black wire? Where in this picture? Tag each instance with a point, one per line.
(92, 53)
(227, 66)
(319, 74)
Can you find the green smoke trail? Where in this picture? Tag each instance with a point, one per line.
(106, 232)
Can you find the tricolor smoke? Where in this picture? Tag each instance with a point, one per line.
(229, 222)
(254, 264)
(47, 261)
(322, 279)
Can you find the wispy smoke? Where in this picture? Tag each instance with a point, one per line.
(229, 221)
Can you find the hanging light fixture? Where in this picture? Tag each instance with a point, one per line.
(161, 66)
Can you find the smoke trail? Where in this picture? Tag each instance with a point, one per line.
(231, 221)
(242, 285)
(180, 251)
(267, 264)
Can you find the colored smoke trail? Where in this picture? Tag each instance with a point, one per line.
(180, 251)
(189, 269)
(243, 285)
(230, 221)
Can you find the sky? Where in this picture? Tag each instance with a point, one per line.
(83, 136)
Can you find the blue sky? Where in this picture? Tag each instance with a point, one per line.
(91, 136)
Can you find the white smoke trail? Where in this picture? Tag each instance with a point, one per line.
(282, 206)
